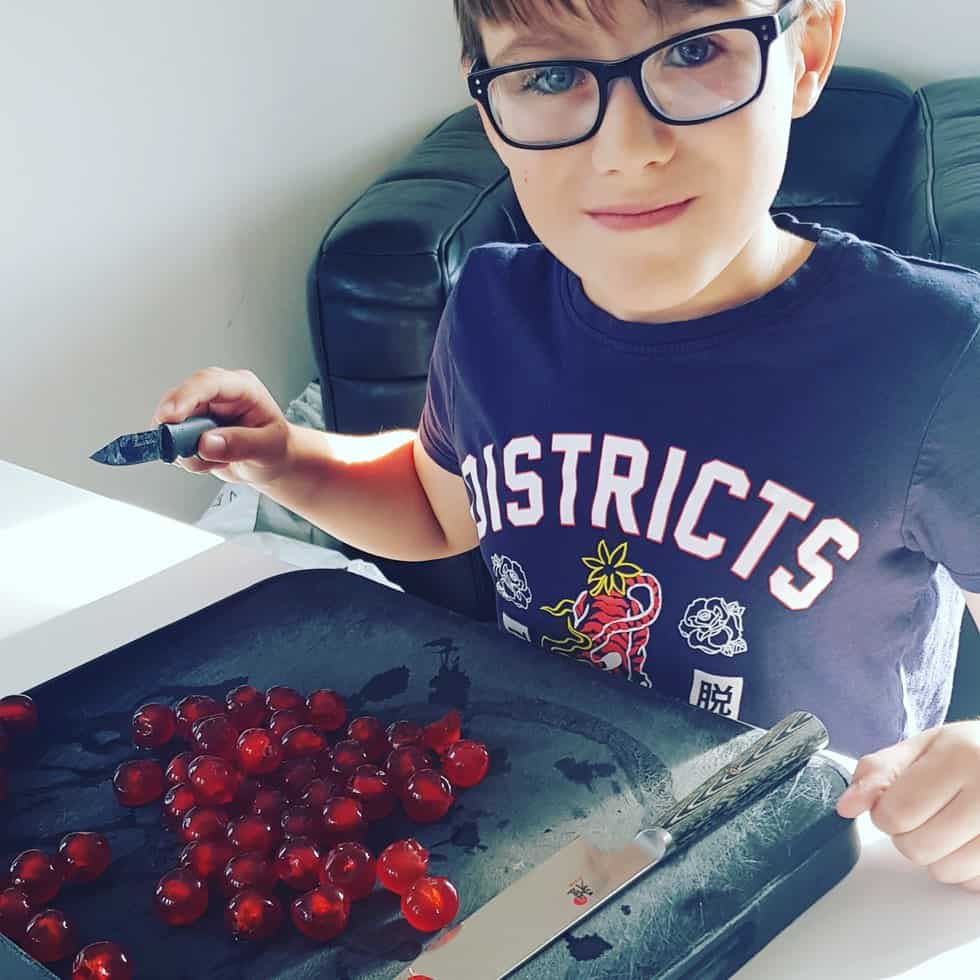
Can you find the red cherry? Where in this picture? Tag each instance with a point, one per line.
(466, 763)
(298, 863)
(303, 741)
(213, 779)
(102, 961)
(401, 863)
(84, 856)
(403, 762)
(178, 801)
(295, 775)
(316, 794)
(244, 797)
(203, 823)
(327, 710)
(268, 804)
(138, 782)
(343, 820)
(15, 913)
(215, 735)
(282, 698)
(299, 821)
(245, 707)
(440, 734)
(259, 752)
(371, 787)
(351, 868)
(322, 913)
(207, 858)
(36, 874)
(401, 733)
(428, 796)
(50, 936)
(252, 833)
(430, 903)
(346, 756)
(18, 714)
(191, 709)
(251, 870)
(284, 720)
(153, 725)
(369, 732)
(177, 768)
(253, 915)
(181, 897)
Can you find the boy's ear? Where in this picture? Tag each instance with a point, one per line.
(814, 56)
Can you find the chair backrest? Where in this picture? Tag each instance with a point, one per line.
(867, 159)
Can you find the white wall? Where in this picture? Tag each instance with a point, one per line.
(167, 170)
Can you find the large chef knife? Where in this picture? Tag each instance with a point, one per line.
(166, 442)
(537, 908)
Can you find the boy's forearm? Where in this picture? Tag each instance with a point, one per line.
(363, 490)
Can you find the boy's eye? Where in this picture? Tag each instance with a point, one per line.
(690, 54)
(552, 80)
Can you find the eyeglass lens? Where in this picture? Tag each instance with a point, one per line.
(698, 78)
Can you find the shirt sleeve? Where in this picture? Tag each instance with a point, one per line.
(942, 514)
(436, 423)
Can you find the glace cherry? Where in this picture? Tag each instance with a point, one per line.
(402, 863)
(303, 741)
(84, 856)
(193, 708)
(440, 734)
(138, 783)
(181, 897)
(214, 780)
(328, 711)
(18, 714)
(466, 763)
(346, 756)
(351, 868)
(153, 725)
(298, 863)
(369, 732)
(15, 913)
(427, 797)
(177, 768)
(50, 936)
(215, 735)
(102, 961)
(403, 732)
(203, 823)
(284, 720)
(252, 833)
(403, 762)
(178, 801)
(245, 707)
(36, 874)
(343, 820)
(430, 903)
(282, 698)
(300, 821)
(253, 915)
(371, 787)
(251, 870)
(207, 858)
(321, 914)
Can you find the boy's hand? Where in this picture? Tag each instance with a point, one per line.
(925, 794)
(252, 443)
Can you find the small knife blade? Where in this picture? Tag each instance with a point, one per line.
(166, 442)
(531, 913)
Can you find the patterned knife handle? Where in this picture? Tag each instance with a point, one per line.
(783, 750)
(179, 439)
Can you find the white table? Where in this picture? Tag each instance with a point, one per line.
(81, 574)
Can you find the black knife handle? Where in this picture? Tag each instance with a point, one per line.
(180, 438)
(778, 753)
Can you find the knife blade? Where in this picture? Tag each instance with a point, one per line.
(538, 907)
(166, 442)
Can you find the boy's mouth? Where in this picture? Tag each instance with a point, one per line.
(622, 217)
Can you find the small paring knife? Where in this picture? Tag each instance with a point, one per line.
(536, 909)
(166, 442)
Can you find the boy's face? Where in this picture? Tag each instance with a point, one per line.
(731, 166)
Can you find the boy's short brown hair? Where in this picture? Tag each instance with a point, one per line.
(470, 12)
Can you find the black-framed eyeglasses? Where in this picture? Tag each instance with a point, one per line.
(690, 78)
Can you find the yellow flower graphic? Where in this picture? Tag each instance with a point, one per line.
(609, 571)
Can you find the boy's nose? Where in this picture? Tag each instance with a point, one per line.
(630, 137)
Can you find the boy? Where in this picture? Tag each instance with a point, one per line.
(728, 455)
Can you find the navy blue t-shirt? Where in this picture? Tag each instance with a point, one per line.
(767, 509)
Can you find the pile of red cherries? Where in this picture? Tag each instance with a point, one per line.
(35, 878)
(275, 795)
